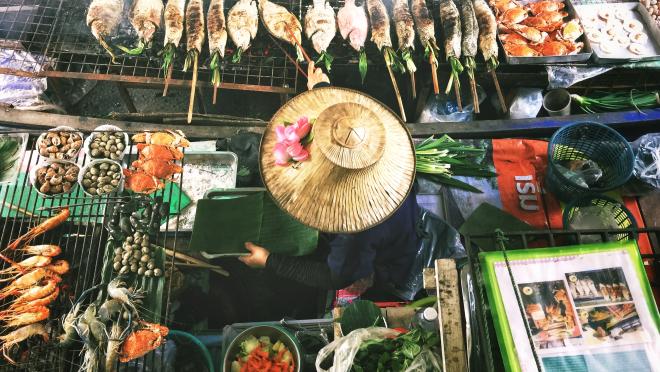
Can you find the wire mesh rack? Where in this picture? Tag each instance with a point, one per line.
(55, 34)
(485, 355)
(82, 238)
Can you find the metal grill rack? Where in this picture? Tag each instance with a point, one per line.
(57, 30)
(82, 238)
(484, 342)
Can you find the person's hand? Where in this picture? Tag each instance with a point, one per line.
(315, 75)
(257, 257)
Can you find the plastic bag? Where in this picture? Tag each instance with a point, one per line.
(565, 76)
(647, 159)
(426, 361)
(23, 93)
(346, 347)
(438, 240)
(526, 103)
(443, 108)
(585, 173)
(246, 146)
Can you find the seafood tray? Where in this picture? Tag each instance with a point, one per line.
(82, 238)
(582, 56)
(589, 15)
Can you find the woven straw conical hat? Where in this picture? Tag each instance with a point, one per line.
(361, 165)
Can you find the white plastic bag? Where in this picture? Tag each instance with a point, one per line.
(426, 361)
(526, 103)
(346, 347)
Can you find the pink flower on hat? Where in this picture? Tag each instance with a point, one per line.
(281, 154)
(297, 152)
(302, 126)
(290, 139)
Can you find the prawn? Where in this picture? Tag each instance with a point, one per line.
(13, 338)
(112, 350)
(118, 291)
(28, 280)
(18, 268)
(59, 267)
(35, 314)
(22, 307)
(37, 292)
(41, 228)
(49, 250)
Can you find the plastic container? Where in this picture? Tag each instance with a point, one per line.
(61, 128)
(588, 141)
(612, 208)
(276, 333)
(106, 128)
(84, 169)
(33, 177)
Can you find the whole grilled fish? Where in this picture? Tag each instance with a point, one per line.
(470, 28)
(243, 23)
(281, 23)
(424, 24)
(174, 12)
(353, 24)
(216, 27)
(195, 25)
(380, 24)
(487, 30)
(404, 24)
(320, 25)
(103, 17)
(451, 27)
(145, 17)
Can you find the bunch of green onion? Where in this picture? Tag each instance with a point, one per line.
(619, 101)
(439, 160)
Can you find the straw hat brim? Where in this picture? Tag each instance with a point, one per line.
(330, 198)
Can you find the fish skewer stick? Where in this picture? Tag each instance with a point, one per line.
(145, 17)
(320, 28)
(426, 31)
(103, 17)
(353, 26)
(174, 13)
(380, 35)
(488, 43)
(195, 39)
(405, 31)
(469, 43)
(242, 26)
(451, 27)
(217, 31)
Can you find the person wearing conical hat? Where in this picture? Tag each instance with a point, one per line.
(343, 163)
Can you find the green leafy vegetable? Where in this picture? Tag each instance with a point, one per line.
(456, 69)
(395, 354)
(168, 53)
(360, 314)
(362, 64)
(406, 56)
(190, 58)
(215, 69)
(236, 58)
(618, 101)
(327, 59)
(135, 51)
(393, 60)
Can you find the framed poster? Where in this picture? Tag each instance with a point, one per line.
(588, 308)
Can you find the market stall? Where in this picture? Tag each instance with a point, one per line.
(476, 190)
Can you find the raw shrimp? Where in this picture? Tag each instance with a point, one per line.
(15, 337)
(112, 350)
(37, 292)
(35, 314)
(43, 227)
(109, 309)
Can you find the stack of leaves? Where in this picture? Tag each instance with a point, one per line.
(439, 160)
(8, 149)
(393, 354)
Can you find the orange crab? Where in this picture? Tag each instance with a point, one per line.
(141, 182)
(520, 50)
(513, 39)
(530, 33)
(571, 30)
(502, 6)
(514, 15)
(149, 337)
(166, 138)
(545, 6)
(166, 153)
(557, 48)
(546, 21)
(158, 168)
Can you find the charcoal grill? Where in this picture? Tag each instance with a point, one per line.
(82, 239)
(56, 30)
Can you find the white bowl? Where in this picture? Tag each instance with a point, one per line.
(106, 128)
(61, 128)
(33, 176)
(84, 169)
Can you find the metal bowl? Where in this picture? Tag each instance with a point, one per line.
(275, 333)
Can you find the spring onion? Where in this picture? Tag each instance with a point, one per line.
(618, 101)
(439, 160)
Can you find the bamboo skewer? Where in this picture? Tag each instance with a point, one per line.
(395, 86)
(215, 93)
(168, 76)
(475, 94)
(499, 91)
(192, 87)
(412, 81)
(457, 90)
(434, 73)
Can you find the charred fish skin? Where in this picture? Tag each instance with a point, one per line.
(195, 25)
(470, 28)
(320, 25)
(281, 23)
(487, 31)
(451, 27)
(424, 24)
(353, 24)
(103, 17)
(217, 29)
(145, 17)
(243, 23)
(380, 24)
(174, 13)
(404, 24)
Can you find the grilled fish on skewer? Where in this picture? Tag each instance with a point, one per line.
(354, 26)
(103, 17)
(242, 24)
(217, 30)
(469, 43)
(195, 39)
(425, 28)
(405, 32)
(320, 28)
(145, 17)
(174, 12)
(488, 42)
(282, 24)
(451, 27)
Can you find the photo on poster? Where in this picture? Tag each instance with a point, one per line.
(598, 287)
(549, 313)
(614, 323)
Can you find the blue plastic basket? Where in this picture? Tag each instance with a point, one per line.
(588, 141)
(623, 217)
